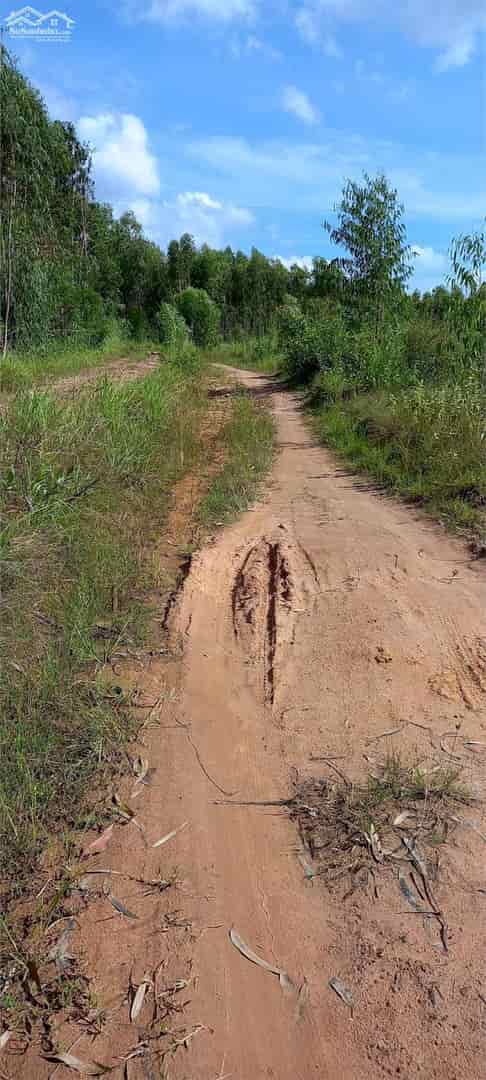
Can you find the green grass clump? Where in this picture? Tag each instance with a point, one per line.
(425, 443)
(85, 485)
(248, 440)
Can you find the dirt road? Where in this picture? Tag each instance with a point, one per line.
(325, 617)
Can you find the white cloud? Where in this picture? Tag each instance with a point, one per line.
(430, 268)
(304, 261)
(285, 175)
(195, 212)
(430, 259)
(121, 153)
(170, 10)
(297, 102)
(450, 26)
(310, 29)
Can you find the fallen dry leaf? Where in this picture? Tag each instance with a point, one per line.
(86, 1068)
(117, 904)
(164, 839)
(137, 1003)
(285, 982)
(4, 1038)
(342, 991)
(100, 844)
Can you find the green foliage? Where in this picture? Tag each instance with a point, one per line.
(77, 476)
(425, 442)
(468, 258)
(371, 229)
(201, 314)
(248, 439)
(171, 326)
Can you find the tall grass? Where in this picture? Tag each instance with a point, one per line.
(407, 406)
(83, 485)
(21, 370)
(426, 443)
(248, 439)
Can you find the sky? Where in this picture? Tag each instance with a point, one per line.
(239, 120)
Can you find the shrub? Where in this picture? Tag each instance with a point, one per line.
(310, 343)
(172, 328)
(201, 314)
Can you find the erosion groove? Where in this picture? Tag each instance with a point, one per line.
(272, 586)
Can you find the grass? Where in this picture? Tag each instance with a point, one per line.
(248, 439)
(425, 443)
(252, 354)
(85, 485)
(19, 371)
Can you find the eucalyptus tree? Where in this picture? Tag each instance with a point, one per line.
(371, 229)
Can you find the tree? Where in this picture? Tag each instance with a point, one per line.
(201, 314)
(370, 227)
(468, 301)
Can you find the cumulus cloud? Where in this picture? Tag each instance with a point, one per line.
(429, 260)
(297, 102)
(452, 28)
(304, 261)
(208, 220)
(121, 153)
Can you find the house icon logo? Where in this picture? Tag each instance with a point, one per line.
(51, 26)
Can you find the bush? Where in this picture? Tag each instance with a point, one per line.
(172, 328)
(201, 314)
(310, 343)
(432, 349)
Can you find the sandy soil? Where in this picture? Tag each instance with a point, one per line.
(325, 617)
(122, 370)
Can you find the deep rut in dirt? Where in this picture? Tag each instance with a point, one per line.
(271, 587)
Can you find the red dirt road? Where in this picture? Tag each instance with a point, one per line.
(324, 617)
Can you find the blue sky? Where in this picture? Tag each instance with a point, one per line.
(238, 120)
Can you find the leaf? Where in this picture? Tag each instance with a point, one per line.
(164, 839)
(122, 808)
(375, 844)
(117, 904)
(342, 991)
(34, 973)
(254, 959)
(4, 1038)
(100, 844)
(137, 1004)
(59, 951)
(407, 892)
(404, 816)
(86, 1068)
(140, 768)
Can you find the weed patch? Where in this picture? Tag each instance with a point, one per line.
(21, 370)
(248, 441)
(424, 443)
(353, 830)
(84, 485)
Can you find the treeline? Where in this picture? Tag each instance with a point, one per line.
(69, 268)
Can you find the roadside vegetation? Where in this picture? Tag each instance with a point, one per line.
(84, 485)
(248, 444)
(397, 382)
